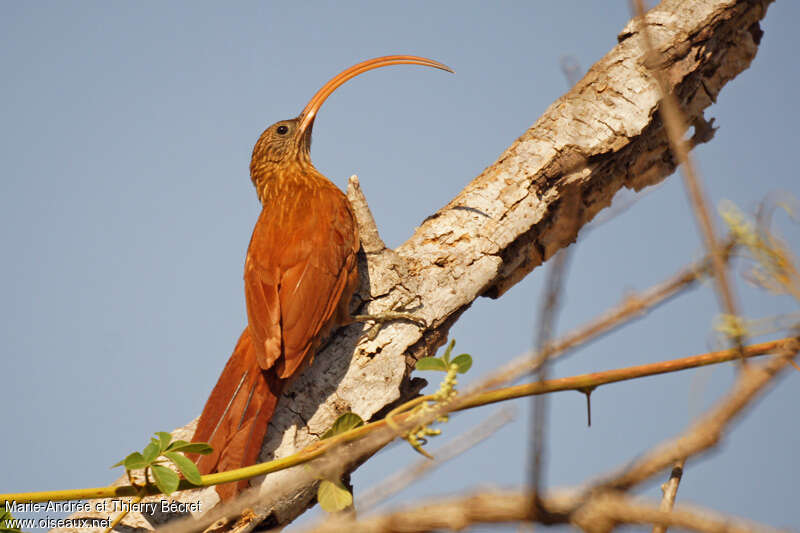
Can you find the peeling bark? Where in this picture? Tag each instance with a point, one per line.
(603, 135)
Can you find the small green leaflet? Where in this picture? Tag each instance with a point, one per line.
(8, 524)
(163, 446)
(463, 362)
(164, 439)
(134, 461)
(200, 448)
(167, 481)
(151, 451)
(431, 363)
(157, 447)
(186, 466)
(344, 423)
(442, 364)
(448, 351)
(333, 496)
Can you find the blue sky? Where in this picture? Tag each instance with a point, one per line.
(126, 208)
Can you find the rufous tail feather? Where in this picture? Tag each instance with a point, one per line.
(235, 417)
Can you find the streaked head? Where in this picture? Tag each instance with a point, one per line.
(290, 140)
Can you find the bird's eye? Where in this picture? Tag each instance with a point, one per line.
(282, 129)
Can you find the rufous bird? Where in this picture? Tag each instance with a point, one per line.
(300, 273)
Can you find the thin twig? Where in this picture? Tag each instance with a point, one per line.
(670, 491)
(708, 430)
(632, 307)
(452, 449)
(556, 274)
(675, 126)
(611, 508)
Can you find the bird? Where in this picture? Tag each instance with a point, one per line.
(299, 276)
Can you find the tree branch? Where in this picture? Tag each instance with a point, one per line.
(707, 431)
(598, 513)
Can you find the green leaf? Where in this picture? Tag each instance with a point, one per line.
(134, 461)
(164, 439)
(446, 356)
(151, 451)
(186, 466)
(333, 496)
(167, 481)
(431, 363)
(200, 448)
(175, 444)
(344, 423)
(464, 362)
(7, 522)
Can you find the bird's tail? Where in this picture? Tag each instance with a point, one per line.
(235, 417)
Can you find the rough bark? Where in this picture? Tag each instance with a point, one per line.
(601, 136)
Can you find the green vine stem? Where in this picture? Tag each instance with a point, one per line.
(123, 514)
(578, 383)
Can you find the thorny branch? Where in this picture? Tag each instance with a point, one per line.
(602, 506)
(356, 451)
(707, 431)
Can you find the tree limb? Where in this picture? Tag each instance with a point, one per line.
(598, 513)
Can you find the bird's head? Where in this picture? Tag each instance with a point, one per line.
(288, 142)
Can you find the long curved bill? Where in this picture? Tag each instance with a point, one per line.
(311, 109)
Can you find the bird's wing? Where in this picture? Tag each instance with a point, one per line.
(299, 264)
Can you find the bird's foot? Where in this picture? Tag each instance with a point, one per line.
(387, 316)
